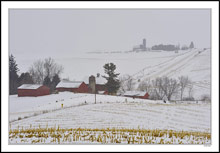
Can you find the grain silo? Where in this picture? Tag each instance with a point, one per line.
(92, 84)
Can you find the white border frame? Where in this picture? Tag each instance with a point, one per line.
(184, 5)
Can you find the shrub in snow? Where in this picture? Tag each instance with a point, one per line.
(205, 97)
(45, 111)
(188, 99)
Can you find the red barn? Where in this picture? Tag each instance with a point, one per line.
(72, 86)
(100, 87)
(33, 90)
(136, 94)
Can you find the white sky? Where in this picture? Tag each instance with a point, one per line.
(65, 33)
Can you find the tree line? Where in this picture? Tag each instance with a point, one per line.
(47, 72)
(44, 72)
(158, 88)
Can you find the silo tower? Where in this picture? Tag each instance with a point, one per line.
(144, 44)
(92, 84)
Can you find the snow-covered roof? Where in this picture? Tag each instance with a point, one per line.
(30, 86)
(134, 93)
(69, 84)
(101, 92)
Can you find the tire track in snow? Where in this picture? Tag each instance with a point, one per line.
(168, 69)
(162, 64)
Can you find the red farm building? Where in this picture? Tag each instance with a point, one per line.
(82, 87)
(72, 86)
(137, 94)
(100, 87)
(33, 90)
(96, 85)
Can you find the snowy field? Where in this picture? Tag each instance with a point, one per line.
(79, 111)
(23, 107)
(194, 63)
(115, 112)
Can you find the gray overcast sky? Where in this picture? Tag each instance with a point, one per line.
(65, 33)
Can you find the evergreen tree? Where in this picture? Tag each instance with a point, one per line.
(13, 76)
(54, 82)
(113, 83)
(191, 45)
(47, 81)
(25, 78)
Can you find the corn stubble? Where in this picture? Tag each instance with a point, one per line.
(105, 136)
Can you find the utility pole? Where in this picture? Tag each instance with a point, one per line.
(95, 85)
(95, 94)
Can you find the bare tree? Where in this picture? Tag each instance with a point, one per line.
(183, 83)
(164, 87)
(157, 92)
(190, 90)
(44, 68)
(37, 72)
(145, 85)
(122, 80)
(126, 83)
(169, 86)
(51, 68)
(130, 83)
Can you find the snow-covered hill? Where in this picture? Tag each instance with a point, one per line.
(195, 63)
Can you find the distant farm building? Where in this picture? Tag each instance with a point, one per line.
(81, 86)
(136, 94)
(101, 87)
(72, 86)
(96, 87)
(141, 47)
(33, 90)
